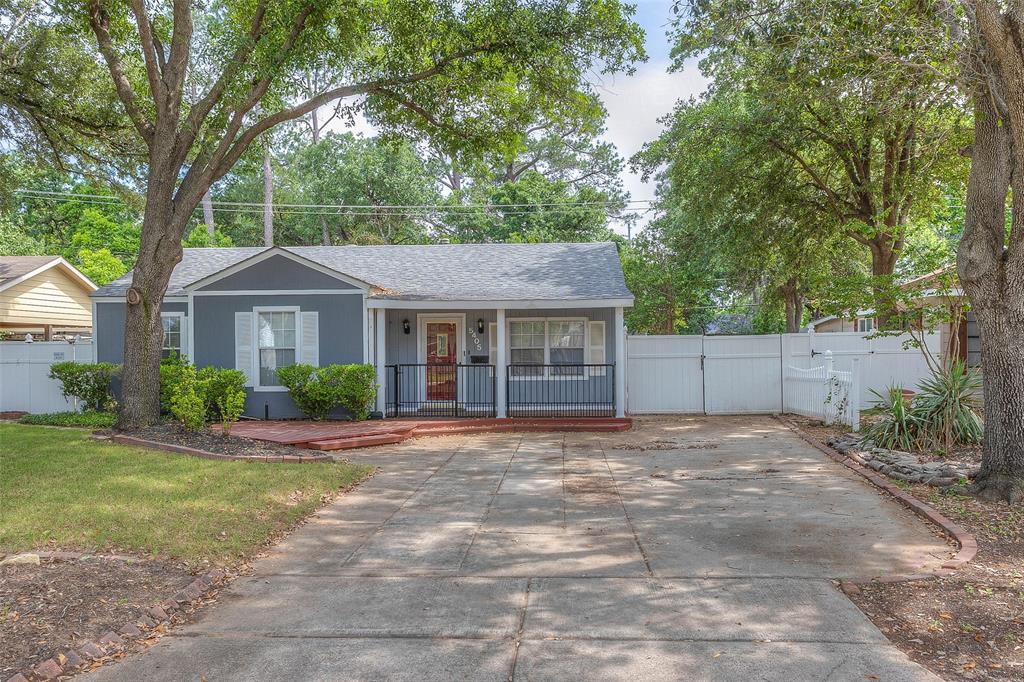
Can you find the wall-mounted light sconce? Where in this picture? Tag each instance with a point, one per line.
(480, 326)
(405, 326)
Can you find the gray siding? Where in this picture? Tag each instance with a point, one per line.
(108, 327)
(341, 337)
(277, 273)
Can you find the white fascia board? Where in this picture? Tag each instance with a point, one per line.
(58, 260)
(269, 253)
(530, 304)
(122, 299)
(279, 292)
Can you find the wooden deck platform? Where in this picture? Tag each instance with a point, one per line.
(337, 435)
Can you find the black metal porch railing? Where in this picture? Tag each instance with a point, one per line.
(440, 390)
(561, 390)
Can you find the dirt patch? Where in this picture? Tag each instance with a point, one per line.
(49, 608)
(970, 625)
(667, 445)
(213, 440)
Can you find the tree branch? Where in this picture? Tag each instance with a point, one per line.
(125, 92)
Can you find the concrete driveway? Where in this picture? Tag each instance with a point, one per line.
(689, 548)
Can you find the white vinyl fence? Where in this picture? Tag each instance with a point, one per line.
(765, 374)
(25, 385)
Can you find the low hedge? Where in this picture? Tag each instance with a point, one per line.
(89, 382)
(89, 420)
(317, 391)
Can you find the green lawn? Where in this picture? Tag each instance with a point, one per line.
(59, 488)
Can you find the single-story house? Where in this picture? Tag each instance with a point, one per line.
(43, 296)
(938, 289)
(452, 329)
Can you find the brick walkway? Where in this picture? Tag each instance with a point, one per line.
(348, 435)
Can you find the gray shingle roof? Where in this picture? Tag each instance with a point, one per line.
(442, 272)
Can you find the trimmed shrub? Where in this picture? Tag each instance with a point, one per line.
(319, 390)
(220, 385)
(359, 388)
(213, 384)
(89, 420)
(230, 406)
(89, 382)
(187, 405)
(170, 375)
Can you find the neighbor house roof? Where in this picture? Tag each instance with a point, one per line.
(438, 272)
(15, 269)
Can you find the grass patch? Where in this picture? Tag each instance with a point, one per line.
(89, 420)
(63, 489)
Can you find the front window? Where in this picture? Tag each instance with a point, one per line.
(276, 334)
(865, 324)
(172, 336)
(547, 342)
(526, 346)
(565, 343)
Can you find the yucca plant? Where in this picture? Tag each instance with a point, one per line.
(896, 428)
(946, 408)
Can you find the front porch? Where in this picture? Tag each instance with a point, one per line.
(554, 361)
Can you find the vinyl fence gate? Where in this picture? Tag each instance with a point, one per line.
(769, 374)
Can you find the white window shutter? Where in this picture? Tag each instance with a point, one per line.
(243, 345)
(186, 350)
(310, 338)
(596, 354)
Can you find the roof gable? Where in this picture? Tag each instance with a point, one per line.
(276, 269)
(17, 269)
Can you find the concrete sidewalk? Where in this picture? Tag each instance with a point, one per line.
(696, 549)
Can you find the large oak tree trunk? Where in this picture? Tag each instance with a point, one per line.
(159, 252)
(993, 279)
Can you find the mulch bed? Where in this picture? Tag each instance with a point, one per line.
(57, 605)
(213, 440)
(969, 625)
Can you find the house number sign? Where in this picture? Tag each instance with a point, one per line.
(475, 338)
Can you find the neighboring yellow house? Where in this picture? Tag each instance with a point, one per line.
(44, 296)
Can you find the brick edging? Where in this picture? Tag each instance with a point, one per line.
(113, 642)
(968, 545)
(195, 452)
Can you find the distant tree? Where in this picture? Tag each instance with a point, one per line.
(101, 266)
(14, 241)
(200, 237)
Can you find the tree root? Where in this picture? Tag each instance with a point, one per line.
(998, 487)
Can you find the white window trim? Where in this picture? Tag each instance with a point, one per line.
(874, 324)
(256, 386)
(547, 347)
(183, 350)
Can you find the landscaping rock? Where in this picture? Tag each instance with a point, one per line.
(48, 669)
(32, 559)
(903, 466)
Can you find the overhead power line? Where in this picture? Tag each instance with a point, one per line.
(399, 208)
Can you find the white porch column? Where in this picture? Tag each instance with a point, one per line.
(501, 362)
(620, 363)
(380, 356)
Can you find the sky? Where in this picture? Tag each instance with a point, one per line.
(635, 102)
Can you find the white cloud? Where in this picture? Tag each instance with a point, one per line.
(636, 102)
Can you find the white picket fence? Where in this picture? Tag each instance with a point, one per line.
(823, 392)
(766, 374)
(25, 385)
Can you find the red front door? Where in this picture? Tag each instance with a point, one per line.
(441, 359)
